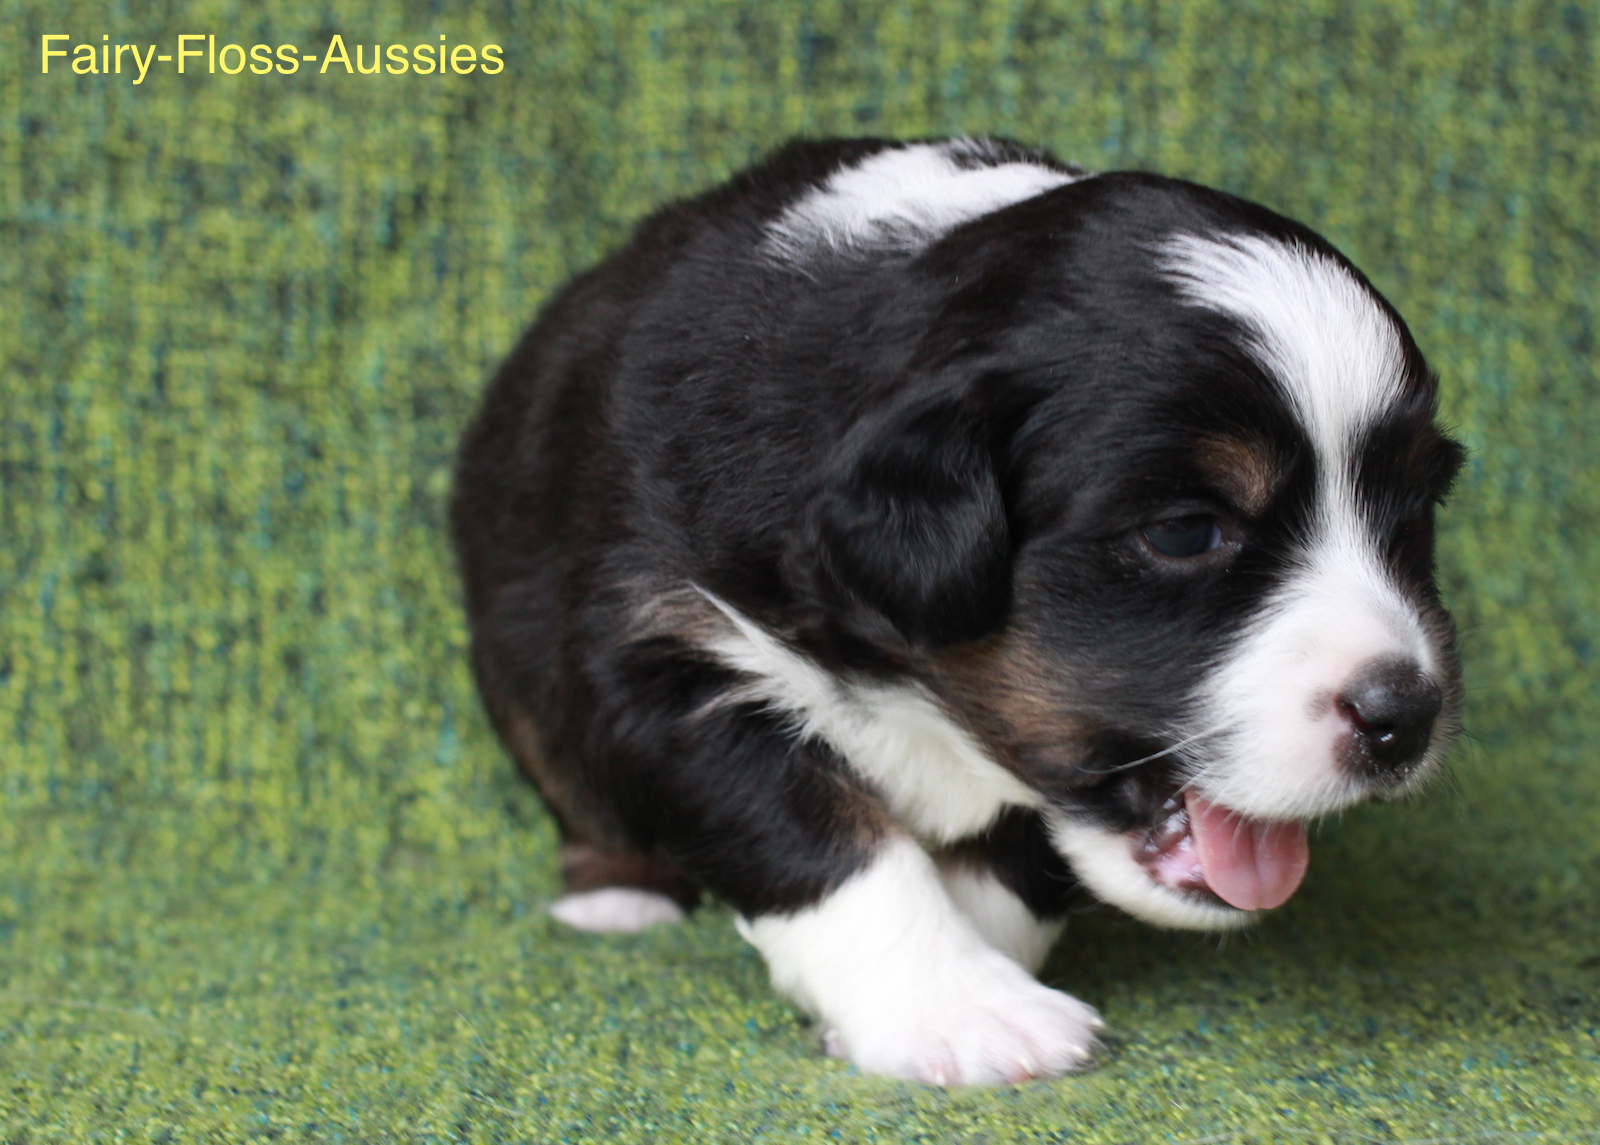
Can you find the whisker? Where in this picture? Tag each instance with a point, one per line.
(1185, 786)
(1179, 746)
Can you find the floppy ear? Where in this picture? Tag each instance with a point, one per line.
(910, 521)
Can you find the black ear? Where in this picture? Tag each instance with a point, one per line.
(910, 521)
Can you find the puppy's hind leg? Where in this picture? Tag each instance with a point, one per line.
(612, 891)
(610, 887)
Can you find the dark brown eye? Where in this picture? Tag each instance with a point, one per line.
(1182, 537)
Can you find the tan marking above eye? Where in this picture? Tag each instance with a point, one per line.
(1247, 472)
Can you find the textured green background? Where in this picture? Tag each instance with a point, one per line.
(263, 871)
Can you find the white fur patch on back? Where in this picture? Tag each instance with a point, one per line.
(906, 197)
(904, 984)
(934, 777)
(1271, 723)
(615, 910)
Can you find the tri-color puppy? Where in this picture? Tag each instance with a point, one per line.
(901, 537)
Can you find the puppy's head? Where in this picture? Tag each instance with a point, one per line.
(1153, 515)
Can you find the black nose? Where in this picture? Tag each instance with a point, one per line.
(1392, 704)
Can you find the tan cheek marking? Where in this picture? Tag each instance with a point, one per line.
(1013, 697)
(1246, 471)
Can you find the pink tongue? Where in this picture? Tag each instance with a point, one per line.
(1249, 863)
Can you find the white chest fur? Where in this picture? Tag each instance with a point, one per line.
(936, 780)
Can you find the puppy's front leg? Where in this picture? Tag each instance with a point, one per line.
(904, 985)
(852, 915)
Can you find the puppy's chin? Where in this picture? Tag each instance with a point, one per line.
(1185, 862)
(1105, 860)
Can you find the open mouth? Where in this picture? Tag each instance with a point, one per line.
(1198, 848)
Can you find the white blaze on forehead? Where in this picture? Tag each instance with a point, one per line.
(906, 197)
(1312, 326)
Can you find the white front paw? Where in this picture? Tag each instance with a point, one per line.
(904, 984)
(980, 1021)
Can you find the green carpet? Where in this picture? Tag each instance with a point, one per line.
(264, 873)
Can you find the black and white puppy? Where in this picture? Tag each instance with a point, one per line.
(901, 537)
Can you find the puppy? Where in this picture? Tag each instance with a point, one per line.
(901, 540)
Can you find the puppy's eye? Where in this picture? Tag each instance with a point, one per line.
(1180, 537)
